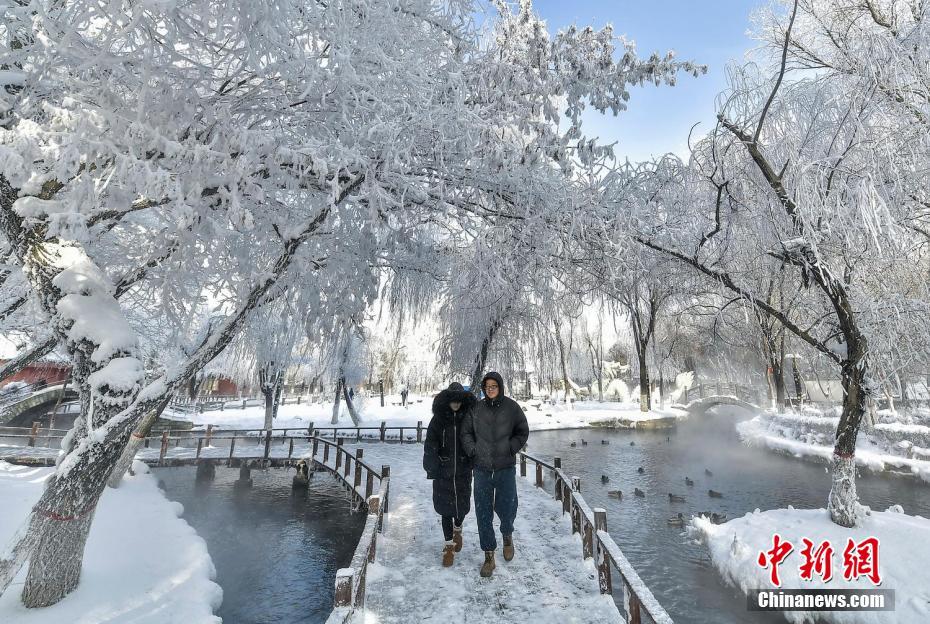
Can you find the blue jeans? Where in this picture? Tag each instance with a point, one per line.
(495, 491)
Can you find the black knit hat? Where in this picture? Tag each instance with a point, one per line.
(456, 387)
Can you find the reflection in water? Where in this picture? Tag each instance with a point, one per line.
(276, 551)
(677, 571)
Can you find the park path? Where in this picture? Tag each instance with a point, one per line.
(547, 581)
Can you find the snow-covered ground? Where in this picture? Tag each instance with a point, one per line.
(143, 563)
(903, 554)
(547, 581)
(885, 447)
(539, 415)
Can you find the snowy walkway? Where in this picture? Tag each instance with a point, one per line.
(547, 581)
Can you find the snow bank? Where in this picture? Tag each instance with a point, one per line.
(903, 554)
(539, 415)
(143, 564)
(803, 437)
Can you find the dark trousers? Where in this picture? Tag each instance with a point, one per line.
(447, 522)
(495, 492)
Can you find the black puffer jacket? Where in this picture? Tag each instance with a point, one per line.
(494, 431)
(444, 459)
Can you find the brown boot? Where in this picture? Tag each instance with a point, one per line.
(457, 538)
(508, 547)
(448, 555)
(487, 568)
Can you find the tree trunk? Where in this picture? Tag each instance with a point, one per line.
(353, 414)
(775, 375)
(645, 392)
(268, 393)
(62, 518)
(564, 368)
(843, 502)
(480, 361)
(780, 388)
(798, 384)
(336, 401)
(279, 390)
(482, 356)
(55, 565)
(661, 388)
(135, 442)
(778, 375)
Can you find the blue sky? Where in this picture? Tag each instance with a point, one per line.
(711, 32)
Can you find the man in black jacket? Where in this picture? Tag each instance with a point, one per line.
(492, 433)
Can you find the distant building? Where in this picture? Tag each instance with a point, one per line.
(51, 371)
(217, 385)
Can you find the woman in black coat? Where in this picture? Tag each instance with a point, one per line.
(448, 466)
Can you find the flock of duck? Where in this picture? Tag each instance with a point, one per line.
(677, 520)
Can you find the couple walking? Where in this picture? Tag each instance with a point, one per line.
(466, 437)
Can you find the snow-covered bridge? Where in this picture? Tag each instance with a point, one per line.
(702, 397)
(567, 567)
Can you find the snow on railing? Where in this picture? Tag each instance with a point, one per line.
(381, 432)
(638, 601)
(351, 581)
(203, 404)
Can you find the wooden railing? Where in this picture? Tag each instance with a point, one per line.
(638, 602)
(43, 437)
(222, 403)
(34, 435)
(383, 433)
(351, 581)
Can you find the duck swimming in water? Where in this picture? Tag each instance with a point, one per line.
(639, 492)
(584, 442)
(708, 472)
(714, 494)
(641, 470)
(302, 478)
(678, 520)
(672, 498)
(573, 445)
(689, 482)
(605, 441)
(605, 479)
(615, 494)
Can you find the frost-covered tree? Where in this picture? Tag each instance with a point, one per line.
(172, 153)
(806, 177)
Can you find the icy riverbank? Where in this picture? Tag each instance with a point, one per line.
(895, 448)
(540, 415)
(143, 563)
